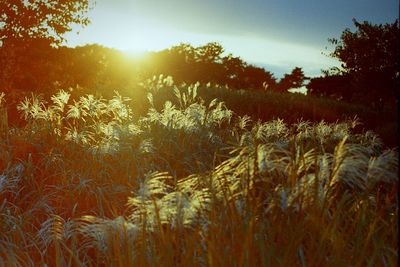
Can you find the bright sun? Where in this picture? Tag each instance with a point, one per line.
(138, 34)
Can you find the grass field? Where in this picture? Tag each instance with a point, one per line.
(269, 105)
(178, 178)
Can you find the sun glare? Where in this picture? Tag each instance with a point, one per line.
(137, 40)
(136, 54)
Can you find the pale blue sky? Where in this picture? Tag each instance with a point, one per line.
(277, 34)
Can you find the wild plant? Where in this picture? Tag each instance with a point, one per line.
(86, 183)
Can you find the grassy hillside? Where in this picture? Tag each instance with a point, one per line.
(291, 107)
(147, 182)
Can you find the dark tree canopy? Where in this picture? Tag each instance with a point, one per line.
(370, 48)
(210, 52)
(293, 80)
(29, 31)
(335, 86)
(40, 19)
(369, 65)
(207, 63)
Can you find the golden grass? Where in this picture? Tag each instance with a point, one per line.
(86, 183)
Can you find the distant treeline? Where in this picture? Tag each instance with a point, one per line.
(36, 65)
(369, 73)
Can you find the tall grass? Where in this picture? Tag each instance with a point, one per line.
(87, 182)
(268, 105)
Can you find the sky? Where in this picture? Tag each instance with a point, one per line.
(275, 34)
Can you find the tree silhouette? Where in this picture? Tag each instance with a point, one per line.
(256, 78)
(210, 53)
(234, 70)
(369, 59)
(41, 19)
(293, 80)
(28, 32)
(369, 48)
(334, 86)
